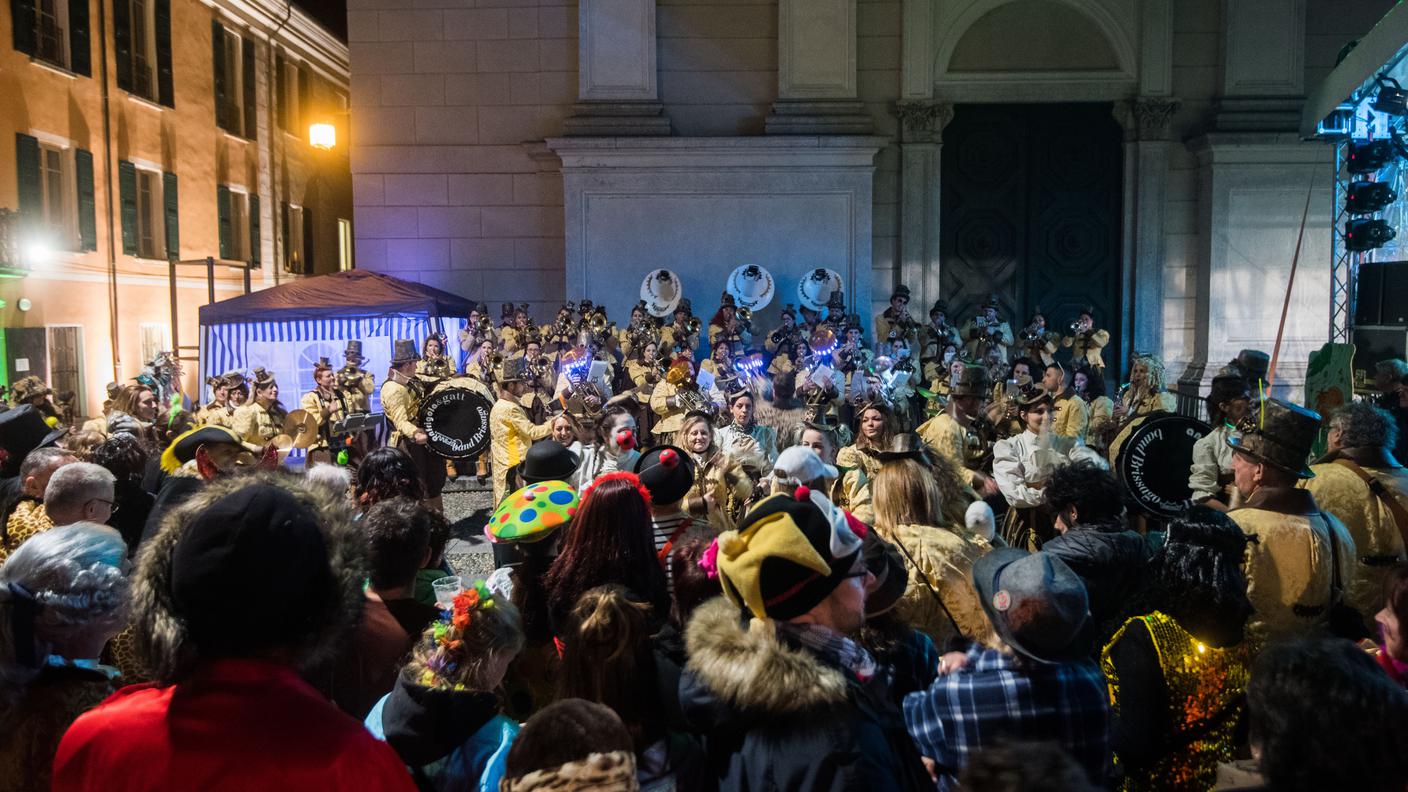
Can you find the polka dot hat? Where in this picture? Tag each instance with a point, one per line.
(532, 513)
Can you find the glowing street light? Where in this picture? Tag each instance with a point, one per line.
(322, 136)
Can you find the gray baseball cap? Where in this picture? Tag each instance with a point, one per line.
(1037, 605)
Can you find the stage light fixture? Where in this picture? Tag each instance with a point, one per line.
(1391, 99)
(1362, 234)
(1338, 125)
(1368, 197)
(1369, 156)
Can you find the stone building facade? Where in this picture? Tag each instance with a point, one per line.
(1137, 154)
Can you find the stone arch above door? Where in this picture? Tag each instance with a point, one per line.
(1112, 49)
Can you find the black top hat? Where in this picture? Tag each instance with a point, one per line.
(1282, 435)
(667, 472)
(547, 460)
(836, 300)
(1086, 310)
(901, 291)
(939, 307)
(22, 429)
(906, 445)
(726, 301)
(403, 351)
(684, 307)
(354, 351)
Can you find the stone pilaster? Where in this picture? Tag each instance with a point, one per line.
(816, 70)
(921, 146)
(616, 71)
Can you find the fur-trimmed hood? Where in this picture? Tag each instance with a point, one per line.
(749, 670)
(162, 638)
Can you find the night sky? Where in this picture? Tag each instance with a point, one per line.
(332, 13)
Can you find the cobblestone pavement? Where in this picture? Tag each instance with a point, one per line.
(467, 506)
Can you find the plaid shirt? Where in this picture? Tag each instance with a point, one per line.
(994, 698)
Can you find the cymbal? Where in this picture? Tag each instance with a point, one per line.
(282, 442)
(302, 427)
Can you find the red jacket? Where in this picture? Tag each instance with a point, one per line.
(236, 725)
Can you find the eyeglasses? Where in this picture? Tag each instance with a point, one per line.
(112, 505)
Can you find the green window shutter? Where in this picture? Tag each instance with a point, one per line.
(217, 38)
(172, 218)
(166, 86)
(127, 190)
(222, 205)
(254, 250)
(280, 95)
(283, 222)
(300, 113)
(87, 208)
(307, 241)
(122, 43)
(23, 20)
(251, 118)
(27, 169)
(80, 51)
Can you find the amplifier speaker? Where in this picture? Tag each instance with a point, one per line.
(1372, 344)
(1382, 299)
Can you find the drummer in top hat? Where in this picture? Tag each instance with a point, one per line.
(897, 318)
(325, 405)
(511, 431)
(401, 397)
(1302, 559)
(986, 331)
(354, 383)
(259, 421)
(961, 434)
(1088, 342)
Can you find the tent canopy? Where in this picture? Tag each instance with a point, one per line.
(341, 295)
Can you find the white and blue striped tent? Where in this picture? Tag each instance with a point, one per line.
(287, 328)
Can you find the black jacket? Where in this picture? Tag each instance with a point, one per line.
(777, 718)
(1111, 559)
(425, 725)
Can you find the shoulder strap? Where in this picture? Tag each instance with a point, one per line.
(1395, 509)
(1336, 585)
(958, 631)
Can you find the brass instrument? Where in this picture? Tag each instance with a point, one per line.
(745, 317)
(1075, 327)
(483, 327)
(694, 325)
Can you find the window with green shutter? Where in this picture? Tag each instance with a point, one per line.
(31, 191)
(251, 118)
(307, 241)
(254, 246)
(172, 215)
(217, 40)
(165, 82)
(222, 202)
(87, 208)
(127, 201)
(23, 23)
(80, 58)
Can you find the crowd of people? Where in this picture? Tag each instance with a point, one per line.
(813, 566)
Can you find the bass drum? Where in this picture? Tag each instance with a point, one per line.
(1151, 457)
(456, 422)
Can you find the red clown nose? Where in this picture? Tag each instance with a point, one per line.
(626, 439)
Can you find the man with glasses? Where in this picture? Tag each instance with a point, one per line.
(77, 492)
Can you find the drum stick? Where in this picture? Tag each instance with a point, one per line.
(1290, 285)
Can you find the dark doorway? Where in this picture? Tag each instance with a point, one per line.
(1031, 212)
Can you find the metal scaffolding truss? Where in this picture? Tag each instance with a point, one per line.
(1344, 265)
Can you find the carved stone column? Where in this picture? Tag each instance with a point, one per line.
(921, 146)
(1146, 123)
(816, 70)
(616, 71)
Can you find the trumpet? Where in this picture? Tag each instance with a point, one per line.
(694, 325)
(745, 317)
(483, 327)
(1075, 326)
(598, 323)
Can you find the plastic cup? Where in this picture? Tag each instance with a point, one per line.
(446, 589)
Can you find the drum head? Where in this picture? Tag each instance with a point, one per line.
(1152, 457)
(456, 423)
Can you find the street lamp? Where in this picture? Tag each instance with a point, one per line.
(322, 136)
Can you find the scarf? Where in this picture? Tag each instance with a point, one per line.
(831, 646)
